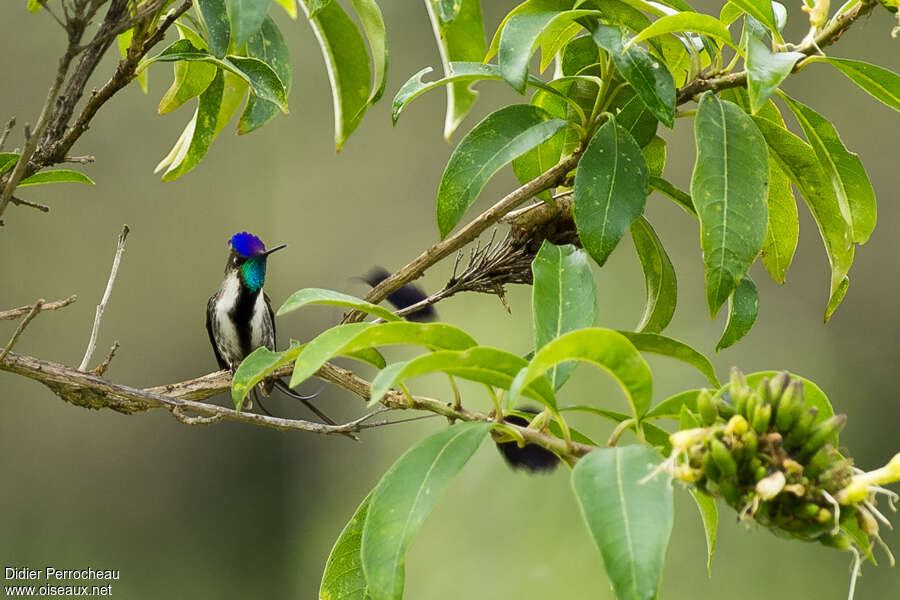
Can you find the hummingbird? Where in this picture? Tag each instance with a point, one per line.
(239, 316)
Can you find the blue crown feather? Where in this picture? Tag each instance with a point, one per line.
(247, 244)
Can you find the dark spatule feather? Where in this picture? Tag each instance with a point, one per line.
(406, 296)
(529, 458)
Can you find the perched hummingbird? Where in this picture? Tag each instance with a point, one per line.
(239, 317)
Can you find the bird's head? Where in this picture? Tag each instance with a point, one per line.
(247, 257)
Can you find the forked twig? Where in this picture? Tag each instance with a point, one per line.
(92, 344)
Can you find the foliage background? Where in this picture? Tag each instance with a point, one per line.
(227, 511)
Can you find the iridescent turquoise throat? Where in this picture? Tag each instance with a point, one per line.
(254, 271)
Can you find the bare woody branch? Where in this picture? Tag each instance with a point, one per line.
(15, 313)
(18, 332)
(95, 329)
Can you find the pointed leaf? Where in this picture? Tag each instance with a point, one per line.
(634, 116)
(258, 365)
(649, 78)
(666, 346)
(605, 348)
(671, 406)
(494, 142)
(7, 160)
(482, 364)
(685, 21)
(761, 10)
(610, 190)
(880, 83)
(308, 296)
(766, 70)
(836, 298)
(268, 45)
(743, 307)
(203, 130)
(56, 176)
(655, 156)
(668, 189)
(246, 18)
(403, 499)
(214, 16)
(344, 578)
(709, 514)
(846, 172)
(290, 7)
(545, 155)
(347, 63)
(124, 43)
(563, 299)
(233, 95)
(660, 285)
(629, 519)
(372, 22)
(728, 188)
(460, 40)
(191, 77)
(783, 228)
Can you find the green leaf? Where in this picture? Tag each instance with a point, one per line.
(457, 72)
(629, 519)
(684, 21)
(459, 41)
(448, 9)
(634, 116)
(671, 406)
(783, 227)
(33, 6)
(649, 78)
(610, 190)
(578, 54)
(258, 365)
(766, 70)
(605, 348)
(655, 156)
(246, 18)
(660, 284)
(686, 419)
(545, 155)
(519, 41)
(268, 45)
(527, 7)
(308, 296)
(315, 6)
(372, 22)
(353, 337)
(232, 95)
(482, 364)
(500, 137)
(7, 160)
(878, 82)
(201, 130)
(563, 299)
(290, 7)
(344, 578)
(403, 499)
(709, 514)
(836, 298)
(743, 307)
(811, 392)
(846, 172)
(797, 159)
(347, 63)
(56, 176)
(666, 346)
(761, 10)
(668, 189)
(124, 43)
(728, 188)
(191, 77)
(214, 16)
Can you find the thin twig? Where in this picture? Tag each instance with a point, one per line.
(9, 125)
(103, 366)
(43, 3)
(15, 337)
(15, 313)
(82, 160)
(92, 344)
(20, 202)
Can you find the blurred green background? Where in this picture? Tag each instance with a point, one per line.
(230, 511)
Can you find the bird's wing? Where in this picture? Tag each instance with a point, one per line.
(210, 308)
(274, 347)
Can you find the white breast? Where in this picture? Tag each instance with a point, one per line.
(261, 324)
(228, 342)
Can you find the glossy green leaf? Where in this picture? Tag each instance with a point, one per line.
(648, 77)
(315, 6)
(797, 159)
(610, 190)
(191, 77)
(202, 130)
(519, 41)
(33, 6)
(268, 45)
(578, 54)
(666, 346)
(494, 142)
(684, 21)
(403, 499)
(671, 406)
(660, 284)
(233, 95)
(655, 157)
(459, 41)
(545, 155)
(308, 296)
(880, 83)
(448, 9)
(353, 337)
(630, 519)
(783, 228)
(848, 176)
(481, 364)
(686, 419)
(668, 189)
(246, 18)
(372, 22)
(347, 63)
(527, 7)
(811, 392)
(656, 436)
(728, 189)
(605, 348)
(458, 72)
(344, 578)
(214, 16)
(56, 176)
(836, 298)
(289, 6)
(124, 43)
(634, 116)
(554, 38)
(258, 365)
(761, 10)
(743, 307)
(766, 70)
(7, 160)
(563, 299)
(709, 514)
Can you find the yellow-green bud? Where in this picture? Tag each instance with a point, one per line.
(707, 408)
(790, 406)
(737, 425)
(722, 456)
(761, 418)
(824, 432)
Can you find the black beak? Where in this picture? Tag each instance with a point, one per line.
(275, 249)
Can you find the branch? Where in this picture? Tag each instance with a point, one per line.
(95, 330)
(9, 125)
(18, 332)
(15, 313)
